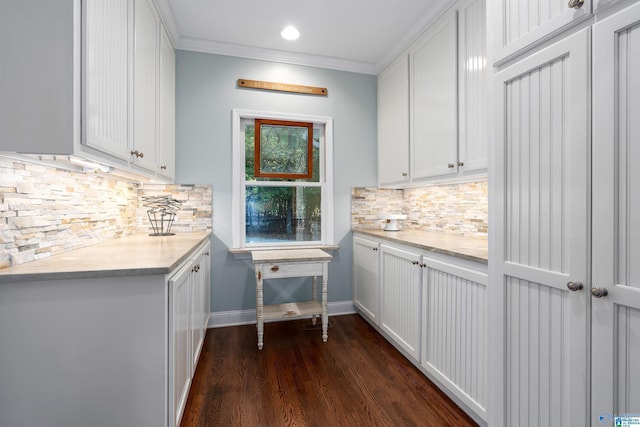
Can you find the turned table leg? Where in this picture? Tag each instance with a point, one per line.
(325, 314)
(259, 308)
(314, 297)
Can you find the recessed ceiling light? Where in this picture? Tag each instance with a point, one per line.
(290, 33)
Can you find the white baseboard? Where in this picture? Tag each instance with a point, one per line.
(219, 319)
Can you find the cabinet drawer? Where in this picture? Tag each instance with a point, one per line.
(277, 270)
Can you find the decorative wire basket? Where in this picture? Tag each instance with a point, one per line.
(162, 213)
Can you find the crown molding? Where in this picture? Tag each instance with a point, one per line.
(166, 16)
(414, 31)
(218, 48)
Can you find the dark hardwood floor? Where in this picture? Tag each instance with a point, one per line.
(355, 379)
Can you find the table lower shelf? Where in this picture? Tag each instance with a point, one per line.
(292, 309)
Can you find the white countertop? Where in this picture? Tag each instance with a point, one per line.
(134, 255)
(469, 248)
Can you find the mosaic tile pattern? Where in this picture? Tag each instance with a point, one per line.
(460, 209)
(46, 211)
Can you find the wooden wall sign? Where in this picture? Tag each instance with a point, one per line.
(282, 87)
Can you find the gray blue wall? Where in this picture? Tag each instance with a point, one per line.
(206, 93)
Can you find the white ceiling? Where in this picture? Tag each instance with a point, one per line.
(352, 35)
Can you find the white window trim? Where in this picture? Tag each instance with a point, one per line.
(238, 188)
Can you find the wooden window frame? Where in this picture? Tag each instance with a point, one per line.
(260, 174)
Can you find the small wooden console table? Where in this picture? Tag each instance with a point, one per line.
(275, 264)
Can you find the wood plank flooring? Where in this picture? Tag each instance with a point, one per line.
(355, 379)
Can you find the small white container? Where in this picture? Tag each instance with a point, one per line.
(391, 222)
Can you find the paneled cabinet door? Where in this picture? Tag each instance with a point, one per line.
(472, 86)
(196, 325)
(400, 297)
(454, 330)
(538, 327)
(166, 105)
(366, 288)
(616, 215)
(179, 342)
(523, 24)
(106, 94)
(145, 85)
(393, 123)
(434, 101)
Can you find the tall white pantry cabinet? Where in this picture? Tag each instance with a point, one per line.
(564, 294)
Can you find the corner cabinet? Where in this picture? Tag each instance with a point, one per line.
(432, 309)
(431, 113)
(104, 88)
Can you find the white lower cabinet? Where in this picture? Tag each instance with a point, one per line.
(102, 351)
(431, 307)
(366, 288)
(400, 297)
(454, 331)
(179, 342)
(188, 316)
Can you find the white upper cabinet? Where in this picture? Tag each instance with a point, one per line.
(524, 24)
(472, 87)
(432, 114)
(434, 101)
(146, 71)
(106, 94)
(393, 123)
(86, 81)
(166, 116)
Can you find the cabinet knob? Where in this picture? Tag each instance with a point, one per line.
(275, 268)
(415, 262)
(375, 249)
(141, 154)
(599, 292)
(575, 4)
(460, 164)
(137, 153)
(404, 174)
(163, 167)
(450, 165)
(574, 286)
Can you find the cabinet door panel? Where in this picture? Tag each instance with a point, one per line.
(434, 108)
(145, 84)
(521, 24)
(541, 214)
(106, 71)
(454, 331)
(472, 65)
(400, 298)
(179, 342)
(616, 213)
(166, 137)
(366, 288)
(393, 123)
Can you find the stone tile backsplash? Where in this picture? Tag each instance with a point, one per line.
(460, 209)
(46, 211)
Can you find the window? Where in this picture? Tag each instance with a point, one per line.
(289, 201)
